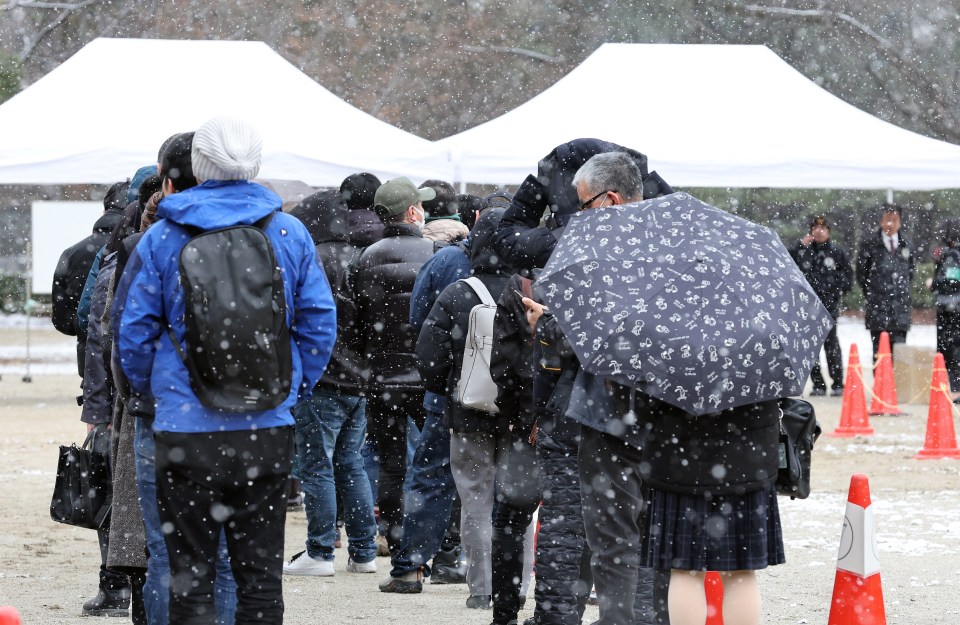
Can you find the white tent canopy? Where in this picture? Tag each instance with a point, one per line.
(99, 116)
(707, 116)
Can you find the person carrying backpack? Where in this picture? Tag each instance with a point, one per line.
(224, 315)
(480, 436)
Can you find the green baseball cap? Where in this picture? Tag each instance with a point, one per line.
(397, 195)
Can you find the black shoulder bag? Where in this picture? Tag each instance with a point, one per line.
(799, 431)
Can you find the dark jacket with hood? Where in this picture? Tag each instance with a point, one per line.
(442, 340)
(512, 357)
(885, 278)
(364, 227)
(380, 284)
(520, 239)
(325, 216)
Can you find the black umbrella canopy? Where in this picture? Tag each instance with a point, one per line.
(695, 306)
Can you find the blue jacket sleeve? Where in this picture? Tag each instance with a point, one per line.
(138, 317)
(314, 328)
(83, 307)
(441, 270)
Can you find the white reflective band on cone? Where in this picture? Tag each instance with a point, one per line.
(858, 542)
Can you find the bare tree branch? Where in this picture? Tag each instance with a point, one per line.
(65, 11)
(521, 51)
(909, 71)
(28, 4)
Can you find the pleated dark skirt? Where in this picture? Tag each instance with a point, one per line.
(722, 533)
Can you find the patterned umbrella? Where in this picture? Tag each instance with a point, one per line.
(692, 305)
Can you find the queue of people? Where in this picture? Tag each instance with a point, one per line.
(370, 298)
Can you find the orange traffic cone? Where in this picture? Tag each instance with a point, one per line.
(9, 615)
(857, 592)
(941, 440)
(853, 412)
(884, 390)
(713, 586)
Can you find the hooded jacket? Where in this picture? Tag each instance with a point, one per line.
(325, 216)
(519, 240)
(149, 298)
(442, 340)
(364, 227)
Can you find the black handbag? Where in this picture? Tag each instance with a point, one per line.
(799, 431)
(83, 493)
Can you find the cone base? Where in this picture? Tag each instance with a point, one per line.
(857, 600)
(934, 454)
(850, 432)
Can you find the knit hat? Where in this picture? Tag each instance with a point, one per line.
(142, 174)
(226, 148)
(445, 202)
(500, 199)
(397, 195)
(358, 190)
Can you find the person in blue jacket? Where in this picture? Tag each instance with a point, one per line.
(220, 470)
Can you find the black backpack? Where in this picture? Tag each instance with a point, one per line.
(235, 316)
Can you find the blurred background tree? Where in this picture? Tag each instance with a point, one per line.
(437, 67)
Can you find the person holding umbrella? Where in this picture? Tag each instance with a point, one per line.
(688, 324)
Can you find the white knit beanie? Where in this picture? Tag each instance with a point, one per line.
(226, 148)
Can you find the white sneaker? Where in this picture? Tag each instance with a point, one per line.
(361, 567)
(303, 564)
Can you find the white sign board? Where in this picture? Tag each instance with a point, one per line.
(55, 226)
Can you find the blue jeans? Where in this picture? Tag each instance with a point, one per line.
(156, 590)
(329, 433)
(371, 465)
(429, 492)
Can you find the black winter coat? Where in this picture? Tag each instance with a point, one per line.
(443, 337)
(519, 240)
(380, 284)
(325, 215)
(72, 270)
(364, 227)
(731, 452)
(885, 278)
(827, 269)
(512, 358)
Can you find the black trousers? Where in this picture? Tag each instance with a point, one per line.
(563, 576)
(387, 413)
(236, 481)
(518, 495)
(613, 508)
(948, 344)
(834, 363)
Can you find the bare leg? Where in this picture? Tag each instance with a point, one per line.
(686, 600)
(741, 598)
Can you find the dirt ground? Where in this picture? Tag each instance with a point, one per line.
(47, 570)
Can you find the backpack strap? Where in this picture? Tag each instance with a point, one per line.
(481, 290)
(263, 222)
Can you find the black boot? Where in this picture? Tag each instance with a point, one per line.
(448, 567)
(108, 603)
